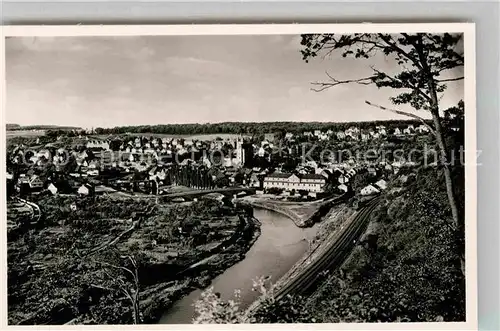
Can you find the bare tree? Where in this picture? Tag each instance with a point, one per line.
(130, 288)
(422, 59)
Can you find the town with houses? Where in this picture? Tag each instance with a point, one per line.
(151, 165)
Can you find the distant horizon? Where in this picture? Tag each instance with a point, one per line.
(215, 123)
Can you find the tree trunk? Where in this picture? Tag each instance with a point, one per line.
(443, 159)
(434, 108)
(447, 171)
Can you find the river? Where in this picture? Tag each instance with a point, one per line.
(280, 245)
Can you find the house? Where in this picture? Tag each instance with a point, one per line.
(340, 135)
(372, 171)
(397, 132)
(97, 144)
(381, 184)
(365, 136)
(381, 130)
(35, 183)
(408, 130)
(312, 164)
(288, 182)
(369, 190)
(343, 187)
(44, 153)
(85, 189)
(93, 172)
(422, 129)
(351, 172)
(255, 181)
(261, 152)
(343, 179)
(103, 190)
(52, 188)
(288, 135)
(313, 182)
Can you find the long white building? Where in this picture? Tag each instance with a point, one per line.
(286, 181)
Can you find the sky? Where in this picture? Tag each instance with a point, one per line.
(146, 80)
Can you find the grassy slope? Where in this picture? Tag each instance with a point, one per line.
(407, 268)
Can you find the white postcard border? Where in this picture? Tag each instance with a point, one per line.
(272, 29)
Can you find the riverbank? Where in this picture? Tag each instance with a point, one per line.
(67, 269)
(160, 298)
(335, 220)
(303, 214)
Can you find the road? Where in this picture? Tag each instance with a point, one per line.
(333, 256)
(203, 192)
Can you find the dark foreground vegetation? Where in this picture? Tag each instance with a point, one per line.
(118, 260)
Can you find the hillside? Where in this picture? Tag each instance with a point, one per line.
(17, 127)
(406, 268)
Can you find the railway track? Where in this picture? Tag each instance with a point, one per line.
(334, 255)
(36, 213)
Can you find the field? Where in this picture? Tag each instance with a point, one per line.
(25, 133)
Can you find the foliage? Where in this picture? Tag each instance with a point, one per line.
(210, 308)
(252, 128)
(420, 57)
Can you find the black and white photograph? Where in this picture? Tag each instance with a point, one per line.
(254, 175)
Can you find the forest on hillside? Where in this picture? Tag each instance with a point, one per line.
(250, 127)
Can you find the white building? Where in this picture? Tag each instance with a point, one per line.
(343, 179)
(381, 130)
(52, 188)
(84, 190)
(369, 190)
(98, 144)
(422, 129)
(288, 182)
(340, 135)
(343, 187)
(381, 184)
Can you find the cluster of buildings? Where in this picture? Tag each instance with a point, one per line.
(88, 159)
(355, 133)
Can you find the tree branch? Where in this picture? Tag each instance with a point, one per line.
(335, 82)
(407, 83)
(449, 79)
(389, 41)
(400, 112)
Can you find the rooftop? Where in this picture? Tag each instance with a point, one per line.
(279, 175)
(312, 176)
